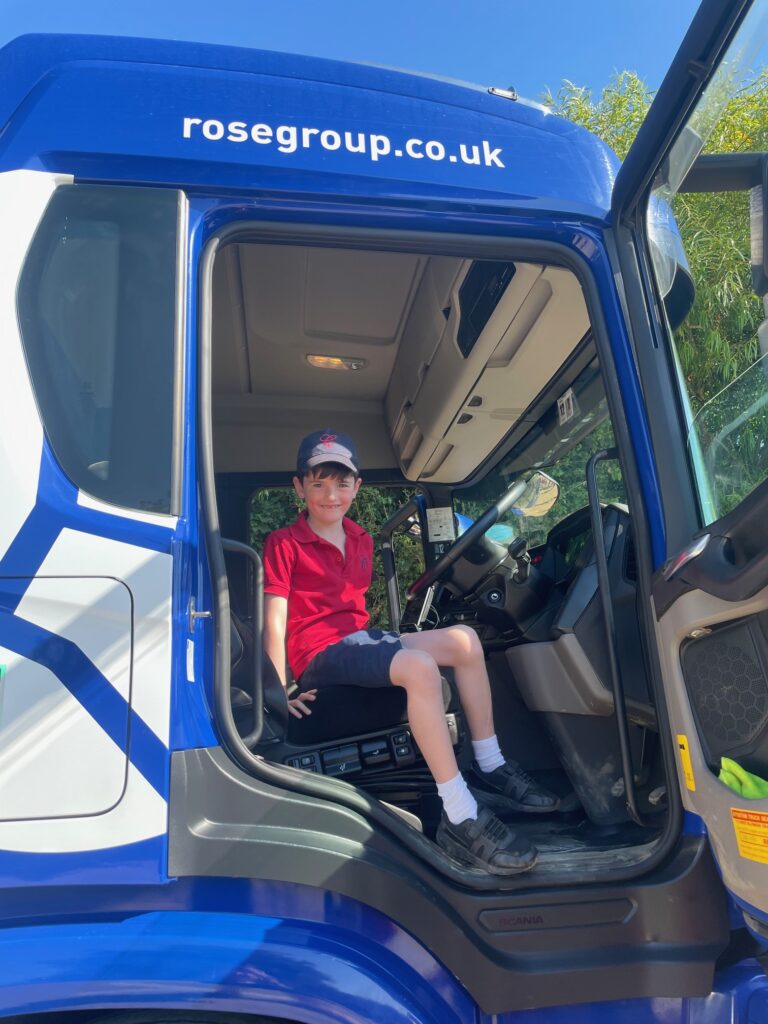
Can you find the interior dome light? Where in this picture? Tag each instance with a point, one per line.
(336, 362)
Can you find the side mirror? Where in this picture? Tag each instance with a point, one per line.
(670, 262)
(739, 172)
(540, 494)
(413, 526)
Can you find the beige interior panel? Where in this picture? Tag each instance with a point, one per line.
(417, 403)
(556, 676)
(547, 327)
(431, 400)
(231, 370)
(536, 325)
(425, 330)
(377, 290)
(285, 323)
(262, 435)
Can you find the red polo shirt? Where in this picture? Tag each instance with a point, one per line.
(325, 590)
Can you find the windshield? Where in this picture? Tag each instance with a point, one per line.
(571, 428)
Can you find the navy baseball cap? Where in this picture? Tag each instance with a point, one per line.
(326, 446)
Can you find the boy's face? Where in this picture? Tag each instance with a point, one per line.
(328, 497)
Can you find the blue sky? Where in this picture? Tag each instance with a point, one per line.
(531, 44)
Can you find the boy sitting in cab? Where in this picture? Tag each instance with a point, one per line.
(317, 572)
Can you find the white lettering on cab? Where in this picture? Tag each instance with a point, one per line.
(287, 138)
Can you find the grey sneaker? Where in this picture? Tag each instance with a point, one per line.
(519, 791)
(486, 843)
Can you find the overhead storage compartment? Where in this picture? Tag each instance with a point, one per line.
(457, 396)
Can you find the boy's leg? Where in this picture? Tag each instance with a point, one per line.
(370, 658)
(417, 673)
(471, 835)
(459, 648)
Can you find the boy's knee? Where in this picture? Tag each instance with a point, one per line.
(415, 670)
(466, 644)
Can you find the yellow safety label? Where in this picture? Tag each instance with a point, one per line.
(751, 828)
(685, 761)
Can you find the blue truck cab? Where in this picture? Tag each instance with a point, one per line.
(209, 252)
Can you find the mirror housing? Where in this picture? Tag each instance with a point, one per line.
(758, 230)
(538, 498)
(739, 172)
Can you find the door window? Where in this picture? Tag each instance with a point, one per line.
(97, 309)
(720, 350)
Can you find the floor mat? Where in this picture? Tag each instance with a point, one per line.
(567, 837)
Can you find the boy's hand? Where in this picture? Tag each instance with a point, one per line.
(296, 705)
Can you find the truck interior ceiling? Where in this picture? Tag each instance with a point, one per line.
(457, 377)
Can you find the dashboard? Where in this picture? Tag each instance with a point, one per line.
(485, 583)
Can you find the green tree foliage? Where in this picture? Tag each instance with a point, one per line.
(372, 507)
(614, 116)
(718, 340)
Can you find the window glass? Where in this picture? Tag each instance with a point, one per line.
(273, 507)
(719, 349)
(97, 307)
(560, 443)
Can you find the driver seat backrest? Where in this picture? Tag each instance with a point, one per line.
(241, 684)
(339, 712)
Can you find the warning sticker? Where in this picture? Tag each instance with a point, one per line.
(440, 524)
(685, 761)
(751, 828)
(566, 407)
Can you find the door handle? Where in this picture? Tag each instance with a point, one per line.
(195, 615)
(680, 560)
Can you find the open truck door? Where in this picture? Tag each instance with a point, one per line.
(710, 587)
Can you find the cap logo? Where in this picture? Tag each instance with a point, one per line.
(327, 440)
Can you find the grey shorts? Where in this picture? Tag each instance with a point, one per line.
(360, 659)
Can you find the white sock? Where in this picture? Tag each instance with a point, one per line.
(458, 802)
(488, 754)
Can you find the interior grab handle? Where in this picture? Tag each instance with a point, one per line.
(679, 562)
(604, 590)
